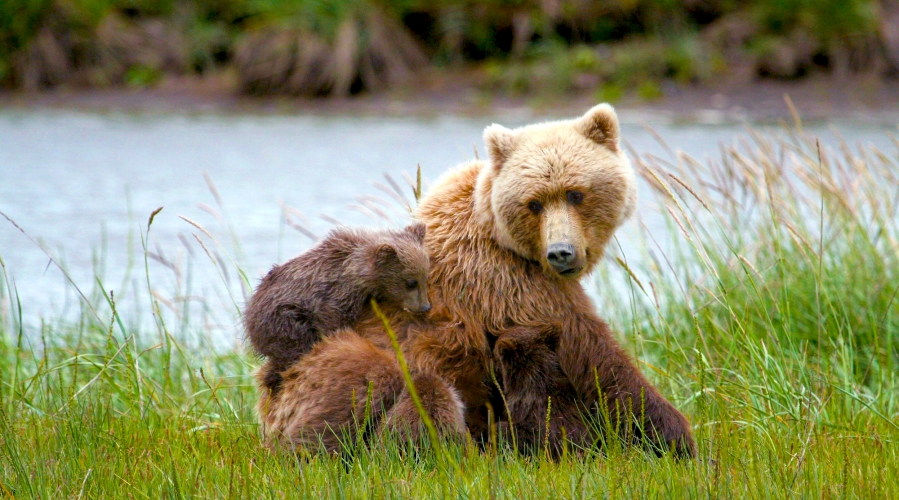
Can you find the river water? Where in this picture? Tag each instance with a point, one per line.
(82, 186)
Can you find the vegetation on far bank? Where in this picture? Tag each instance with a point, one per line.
(341, 47)
(768, 313)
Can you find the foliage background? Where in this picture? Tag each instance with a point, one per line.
(340, 47)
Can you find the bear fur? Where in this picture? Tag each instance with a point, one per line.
(541, 405)
(328, 288)
(508, 239)
(325, 400)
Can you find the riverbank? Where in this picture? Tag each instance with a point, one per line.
(820, 98)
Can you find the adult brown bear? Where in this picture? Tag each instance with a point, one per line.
(508, 240)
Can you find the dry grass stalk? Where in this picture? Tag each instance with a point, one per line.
(196, 225)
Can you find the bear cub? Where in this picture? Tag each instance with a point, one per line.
(329, 288)
(538, 397)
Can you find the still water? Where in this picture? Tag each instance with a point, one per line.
(82, 186)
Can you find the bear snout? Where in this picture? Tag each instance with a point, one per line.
(417, 306)
(562, 257)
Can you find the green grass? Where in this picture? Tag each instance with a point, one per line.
(770, 318)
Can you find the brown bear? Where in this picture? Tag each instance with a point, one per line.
(541, 405)
(508, 239)
(328, 288)
(346, 386)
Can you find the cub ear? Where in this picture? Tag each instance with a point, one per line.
(500, 141)
(418, 230)
(383, 254)
(600, 125)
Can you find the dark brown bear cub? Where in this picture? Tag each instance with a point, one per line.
(329, 288)
(538, 397)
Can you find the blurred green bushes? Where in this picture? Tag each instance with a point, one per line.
(46, 43)
(324, 47)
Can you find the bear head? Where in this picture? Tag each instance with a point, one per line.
(555, 192)
(399, 268)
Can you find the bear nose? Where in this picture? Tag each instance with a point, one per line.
(425, 308)
(560, 256)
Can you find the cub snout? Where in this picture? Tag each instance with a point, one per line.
(417, 306)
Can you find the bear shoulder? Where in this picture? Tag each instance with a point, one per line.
(452, 190)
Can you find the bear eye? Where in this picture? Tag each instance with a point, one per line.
(535, 207)
(412, 284)
(575, 197)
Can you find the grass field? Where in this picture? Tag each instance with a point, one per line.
(771, 320)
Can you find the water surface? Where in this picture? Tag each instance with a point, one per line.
(83, 185)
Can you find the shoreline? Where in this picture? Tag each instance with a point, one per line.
(815, 99)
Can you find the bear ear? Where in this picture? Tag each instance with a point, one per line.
(500, 141)
(600, 125)
(418, 230)
(383, 254)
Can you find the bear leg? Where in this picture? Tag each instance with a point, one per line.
(341, 387)
(591, 359)
(440, 402)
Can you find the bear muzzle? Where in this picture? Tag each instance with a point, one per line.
(562, 230)
(562, 257)
(418, 309)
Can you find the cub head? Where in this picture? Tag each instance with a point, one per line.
(556, 192)
(400, 269)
